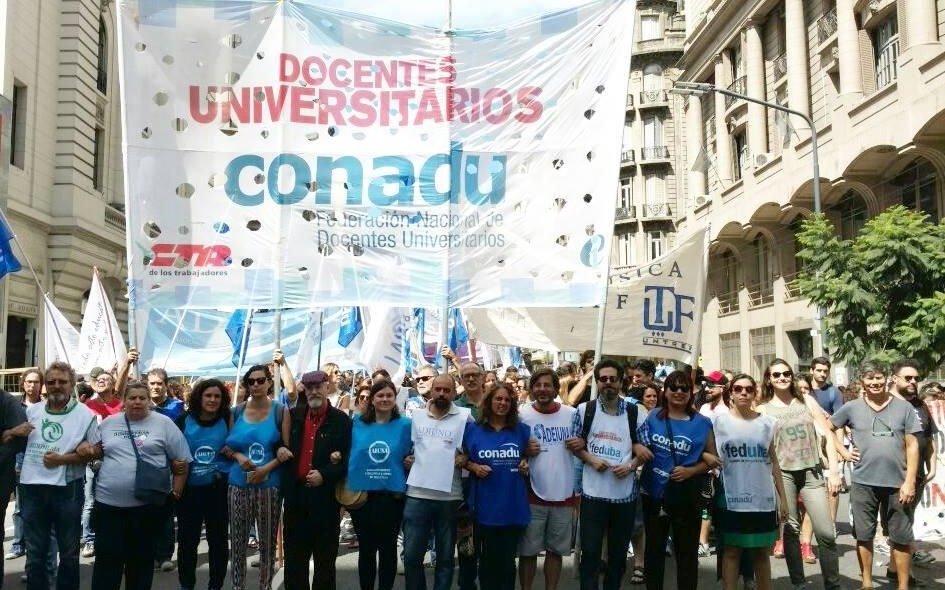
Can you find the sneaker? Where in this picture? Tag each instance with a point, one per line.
(253, 543)
(88, 550)
(807, 553)
(800, 586)
(922, 558)
(914, 582)
(704, 550)
(669, 547)
(15, 551)
(778, 549)
(167, 565)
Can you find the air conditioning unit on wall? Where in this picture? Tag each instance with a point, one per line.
(760, 160)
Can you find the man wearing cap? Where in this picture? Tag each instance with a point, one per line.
(319, 443)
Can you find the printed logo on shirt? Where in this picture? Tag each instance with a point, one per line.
(683, 444)
(379, 451)
(204, 454)
(257, 453)
(550, 434)
(445, 434)
(605, 451)
(51, 431)
(743, 451)
(506, 451)
(746, 498)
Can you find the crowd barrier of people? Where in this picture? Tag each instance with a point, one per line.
(604, 461)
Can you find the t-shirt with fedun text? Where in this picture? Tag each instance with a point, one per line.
(159, 441)
(879, 436)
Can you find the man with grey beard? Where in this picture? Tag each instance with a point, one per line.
(51, 480)
(312, 516)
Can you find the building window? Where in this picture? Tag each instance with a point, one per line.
(763, 261)
(730, 351)
(886, 50)
(101, 81)
(623, 250)
(653, 186)
(652, 132)
(98, 156)
(741, 154)
(762, 349)
(652, 77)
(916, 187)
(852, 215)
(656, 244)
(625, 197)
(18, 126)
(730, 272)
(650, 27)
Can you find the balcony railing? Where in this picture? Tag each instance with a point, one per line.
(654, 152)
(627, 157)
(114, 218)
(625, 214)
(656, 211)
(791, 288)
(760, 294)
(780, 67)
(728, 302)
(652, 97)
(739, 86)
(629, 101)
(827, 25)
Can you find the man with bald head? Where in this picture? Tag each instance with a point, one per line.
(434, 486)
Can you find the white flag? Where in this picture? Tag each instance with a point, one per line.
(61, 337)
(101, 343)
(654, 311)
(384, 337)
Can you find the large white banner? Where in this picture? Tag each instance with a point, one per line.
(654, 310)
(280, 154)
(929, 522)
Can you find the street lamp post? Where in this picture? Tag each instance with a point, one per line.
(687, 88)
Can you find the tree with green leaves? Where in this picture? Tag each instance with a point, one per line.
(884, 291)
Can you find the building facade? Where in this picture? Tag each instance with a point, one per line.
(651, 195)
(64, 197)
(871, 75)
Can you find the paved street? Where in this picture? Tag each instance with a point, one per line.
(347, 570)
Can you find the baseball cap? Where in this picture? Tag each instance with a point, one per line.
(314, 378)
(716, 378)
(95, 372)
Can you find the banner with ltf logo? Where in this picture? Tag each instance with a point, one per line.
(653, 310)
(284, 154)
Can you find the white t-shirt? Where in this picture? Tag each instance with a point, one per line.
(746, 465)
(57, 432)
(609, 439)
(551, 472)
(434, 475)
(159, 441)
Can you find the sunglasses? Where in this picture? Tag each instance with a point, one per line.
(425, 378)
(361, 398)
(743, 389)
(259, 381)
(608, 379)
(779, 374)
(910, 378)
(678, 389)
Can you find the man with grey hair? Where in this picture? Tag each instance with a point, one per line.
(886, 460)
(424, 380)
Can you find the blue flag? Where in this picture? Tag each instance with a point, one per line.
(458, 335)
(516, 354)
(350, 326)
(234, 329)
(8, 262)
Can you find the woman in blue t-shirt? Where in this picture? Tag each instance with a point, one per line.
(205, 425)
(255, 445)
(497, 446)
(681, 441)
(380, 441)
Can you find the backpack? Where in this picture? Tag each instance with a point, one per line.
(590, 408)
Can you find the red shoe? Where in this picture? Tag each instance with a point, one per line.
(779, 549)
(807, 553)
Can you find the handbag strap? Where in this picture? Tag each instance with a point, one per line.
(131, 439)
(672, 445)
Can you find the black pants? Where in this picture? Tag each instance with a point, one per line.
(497, 547)
(198, 506)
(377, 524)
(124, 545)
(600, 518)
(309, 538)
(5, 492)
(685, 529)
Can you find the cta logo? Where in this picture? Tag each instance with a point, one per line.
(196, 255)
(204, 454)
(379, 451)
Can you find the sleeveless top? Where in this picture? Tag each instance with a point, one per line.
(256, 440)
(796, 442)
(609, 439)
(551, 472)
(746, 467)
(205, 443)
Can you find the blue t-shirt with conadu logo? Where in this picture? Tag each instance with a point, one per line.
(689, 438)
(500, 498)
(205, 442)
(377, 455)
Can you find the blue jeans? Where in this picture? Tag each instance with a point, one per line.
(88, 535)
(47, 510)
(420, 516)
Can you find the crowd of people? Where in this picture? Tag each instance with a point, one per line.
(607, 461)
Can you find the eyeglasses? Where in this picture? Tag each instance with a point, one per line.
(678, 389)
(608, 379)
(909, 377)
(424, 377)
(361, 398)
(743, 389)
(259, 381)
(471, 376)
(58, 382)
(779, 374)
